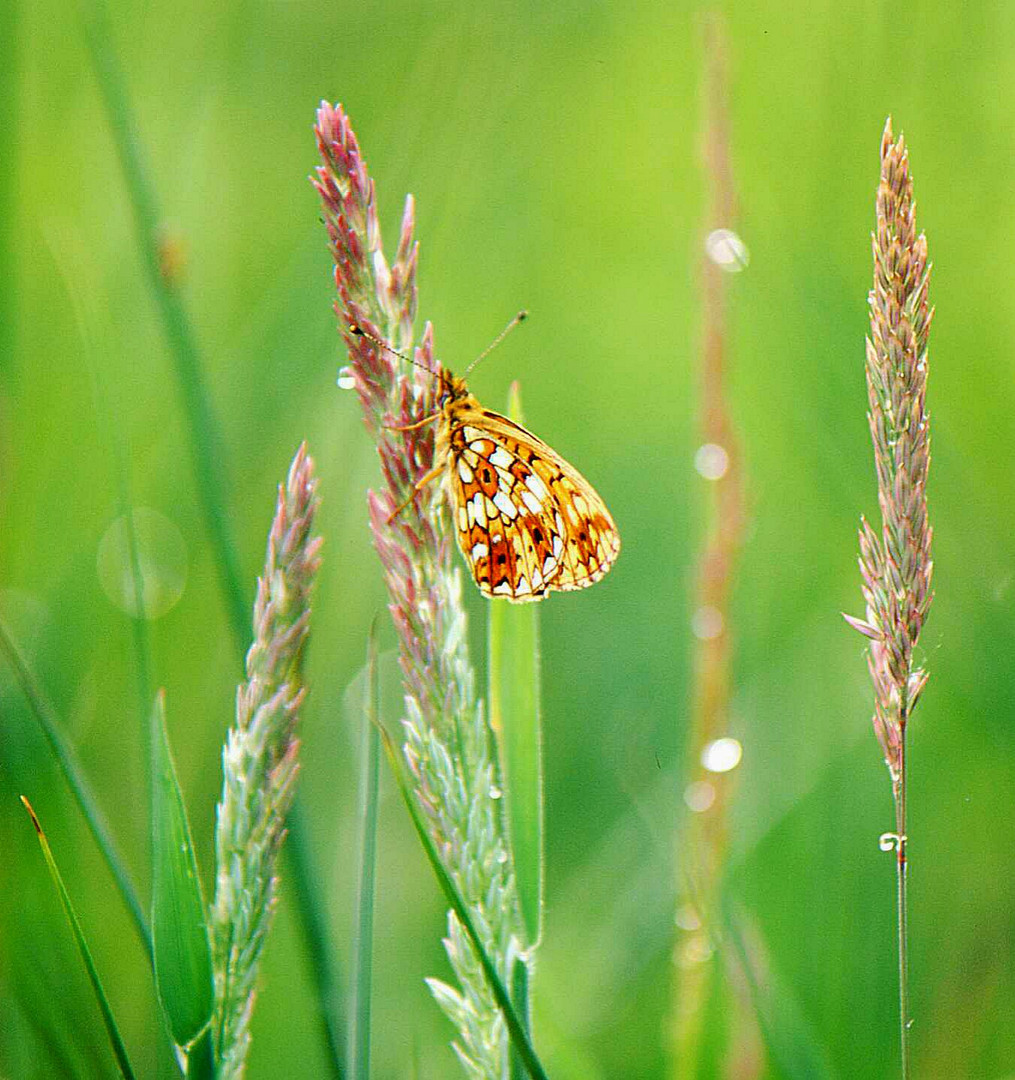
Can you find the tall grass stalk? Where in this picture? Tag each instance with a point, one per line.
(447, 741)
(895, 561)
(704, 837)
(260, 765)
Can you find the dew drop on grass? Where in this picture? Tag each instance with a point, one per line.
(725, 248)
(707, 623)
(711, 461)
(346, 381)
(687, 918)
(495, 792)
(722, 755)
(162, 559)
(699, 796)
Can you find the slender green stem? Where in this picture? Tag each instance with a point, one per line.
(359, 1036)
(901, 868)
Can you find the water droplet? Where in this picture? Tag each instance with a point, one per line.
(346, 380)
(162, 559)
(712, 461)
(495, 792)
(725, 248)
(707, 623)
(722, 755)
(699, 796)
(889, 841)
(696, 950)
(687, 918)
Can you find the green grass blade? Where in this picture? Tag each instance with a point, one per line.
(116, 1042)
(359, 1036)
(183, 971)
(66, 759)
(516, 1029)
(516, 718)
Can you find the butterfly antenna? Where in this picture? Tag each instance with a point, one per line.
(519, 318)
(357, 331)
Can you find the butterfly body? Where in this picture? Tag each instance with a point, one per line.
(527, 522)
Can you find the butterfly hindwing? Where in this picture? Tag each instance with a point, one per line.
(526, 520)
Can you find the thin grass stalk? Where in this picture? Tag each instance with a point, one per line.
(362, 975)
(704, 838)
(260, 766)
(895, 562)
(447, 741)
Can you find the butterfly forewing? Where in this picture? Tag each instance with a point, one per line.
(527, 521)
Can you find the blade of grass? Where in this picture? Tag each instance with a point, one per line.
(516, 719)
(207, 459)
(359, 1036)
(516, 1030)
(183, 971)
(113, 1033)
(66, 759)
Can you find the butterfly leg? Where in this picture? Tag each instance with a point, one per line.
(417, 487)
(413, 427)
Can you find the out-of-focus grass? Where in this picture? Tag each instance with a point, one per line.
(551, 151)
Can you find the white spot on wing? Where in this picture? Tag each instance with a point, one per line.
(536, 486)
(476, 514)
(502, 588)
(501, 457)
(505, 506)
(465, 472)
(479, 551)
(531, 501)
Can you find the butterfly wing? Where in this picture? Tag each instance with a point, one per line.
(527, 521)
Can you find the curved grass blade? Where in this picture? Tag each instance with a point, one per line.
(516, 718)
(359, 1036)
(66, 759)
(116, 1042)
(183, 971)
(516, 1030)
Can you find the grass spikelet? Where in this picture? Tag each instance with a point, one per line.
(260, 765)
(447, 740)
(895, 561)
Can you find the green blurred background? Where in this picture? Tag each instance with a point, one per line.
(554, 154)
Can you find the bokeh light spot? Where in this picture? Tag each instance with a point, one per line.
(722, 755)
(725, 248)
(162, 558)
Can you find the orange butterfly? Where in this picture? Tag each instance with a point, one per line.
(527, 521)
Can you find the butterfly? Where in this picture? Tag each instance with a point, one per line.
(526, 520)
